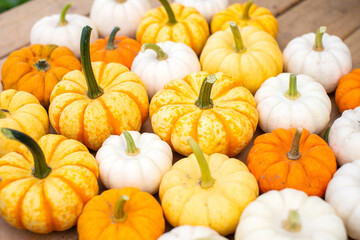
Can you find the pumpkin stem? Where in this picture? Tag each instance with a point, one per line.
(247, 7)
(318, 45)
(132, 150)
(121, 1)
(119, 214)
(292, 93)
(294, 153)
(94, 90)
(326, 135)
(169, 11)
(239, 44)
(42, 65)
(2, 113)
(110, 45)
(292, 223)
(161, 55)
(204, 101)
(41, 169)
(206, 179)
(63, 21)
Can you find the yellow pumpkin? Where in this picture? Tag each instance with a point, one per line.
(175, 23)
(105, 99)
(21, 111)
(213, 109)
(45, 185)
(249, 55)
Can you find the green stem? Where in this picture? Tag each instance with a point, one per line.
(41, 169)
(94, 90)
(204, 101)
(318, 45)
(63, 21)
(292, 223)
(239, 44)
(294, 153)
(161, 55)
(326, 135)
(110, 45)
(2, 113)
(132, 150)
(42, 65)
(169, 11)
(206, 179)
(247, 7)
(292, 93)
(119, 214)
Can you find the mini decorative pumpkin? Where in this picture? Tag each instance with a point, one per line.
(134, 160)
(342, 194)
(105, 99)
(323, 57)
(344, 136)
(37, 69)
(289, 214)
(249, 55)
(347, 95)
(189, 232)
(288, 101)
(292, 158)
(62, 30)
(23, 112)
(45, 185)
(123, 13)
(164, 62)
(174, 23)
(247, 14)
(115, 49)
(126, 214)
(214, 109)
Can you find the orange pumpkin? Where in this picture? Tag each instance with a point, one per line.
(126, 214)
(347, 95)
(292, 158)
(37, 69)
(115, 49)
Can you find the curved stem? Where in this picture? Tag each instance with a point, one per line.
(94, 90)
(292, 223)
(110, 45)
(239, 44)
(2, 113)
(131, 150)
(294, 153)
(169, 11)
(42, 65)
(119, 215)
(318, 45)
(63, 21)
(161, 55)
(204, 101)
(247, 7)
(41, 169)
(206, 179)
(292, 93)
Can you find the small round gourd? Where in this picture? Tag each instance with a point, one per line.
(347, 95)
(189, 232)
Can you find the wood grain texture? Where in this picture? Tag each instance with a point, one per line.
(353, 42)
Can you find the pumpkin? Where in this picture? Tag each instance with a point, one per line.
(158, 64)
(292, 158)
(289, 214)
(247, 14)
(45, 185)
(105, 99)
(342, 194)
(288, 101)
(123, 13)
(344, 136)
(62, 30)
(126, 214)
(213, 109)
(174, 23)
(323, 57)
(115, 49)
(189, 232)
(134, 160)
(1, 87)
(250, 55)
(23, 112)
(347, 94)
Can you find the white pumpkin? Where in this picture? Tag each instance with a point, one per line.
(343, 194)
(158, 64)
(62, 30)
(125, 14)
(187, 232)
(288, 101)
(134, 160)
(324, 57)
(289, 214)
(344, 136)
(207, 8)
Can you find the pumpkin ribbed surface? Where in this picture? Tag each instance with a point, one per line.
(347, 95)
